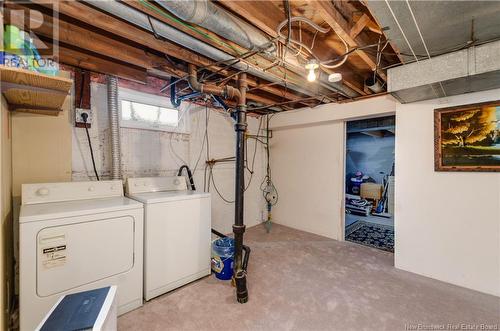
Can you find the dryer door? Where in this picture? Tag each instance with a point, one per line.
(76, 254)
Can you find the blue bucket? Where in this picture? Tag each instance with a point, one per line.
(223, 258)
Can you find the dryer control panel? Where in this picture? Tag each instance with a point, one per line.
(155, 184)
(69, 191)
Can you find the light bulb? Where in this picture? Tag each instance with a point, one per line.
(311, 76)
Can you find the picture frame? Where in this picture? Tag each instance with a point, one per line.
(467, 137)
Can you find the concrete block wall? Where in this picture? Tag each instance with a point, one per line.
(157, 153)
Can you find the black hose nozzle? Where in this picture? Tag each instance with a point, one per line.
(241, 286)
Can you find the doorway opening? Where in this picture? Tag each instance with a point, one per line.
(369, 191)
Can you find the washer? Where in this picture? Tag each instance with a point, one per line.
(75, 237)
(177, 237)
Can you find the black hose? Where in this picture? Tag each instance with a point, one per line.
(218, 234)
(190, 176)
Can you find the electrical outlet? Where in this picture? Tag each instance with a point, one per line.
(79, 120)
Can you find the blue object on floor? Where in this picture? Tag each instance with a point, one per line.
(78, 311)
(223, 258)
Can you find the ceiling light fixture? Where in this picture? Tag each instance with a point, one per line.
(335, 77)
(312, 65)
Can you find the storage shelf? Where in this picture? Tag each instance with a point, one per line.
(32, 92)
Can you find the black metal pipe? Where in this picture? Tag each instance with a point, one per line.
(173, 98)
(239, 226)
(240, 127)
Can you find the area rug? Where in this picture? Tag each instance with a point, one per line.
(371, 234)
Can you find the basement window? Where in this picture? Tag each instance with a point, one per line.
(140, 110)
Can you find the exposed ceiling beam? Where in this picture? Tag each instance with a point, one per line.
(359, 26)
(233, 49)
(117, 27)
(83, 13)
(337, 22)
(74, 35)
(252, 12)
(78, 58)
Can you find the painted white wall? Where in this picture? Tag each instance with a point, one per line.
(157, 153)
(307, 171)
(447, 224)
(307, 160)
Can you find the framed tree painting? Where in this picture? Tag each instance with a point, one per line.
(467, 138)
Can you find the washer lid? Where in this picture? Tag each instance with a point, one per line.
(53, 210)
(157, 197)
(69, 191)
(155, 184)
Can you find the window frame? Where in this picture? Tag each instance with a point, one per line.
(125, 94)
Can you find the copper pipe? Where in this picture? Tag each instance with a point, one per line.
(226, 91)
(242, 86)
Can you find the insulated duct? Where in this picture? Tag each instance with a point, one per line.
(470, 70)
(374, 84)
(142, 20)
(213, 18)
(114, 125)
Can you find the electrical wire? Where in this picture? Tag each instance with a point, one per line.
(205, 138)
(84, 118)
(267, 186)
(91, 151)
(288, 21)
(180, 122)
(289, 40)
(209, 178)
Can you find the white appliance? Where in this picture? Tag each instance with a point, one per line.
(75, 237)
(177, 234)
(93, 310)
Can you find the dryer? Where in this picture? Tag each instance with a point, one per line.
(177, 232)
(75, 237)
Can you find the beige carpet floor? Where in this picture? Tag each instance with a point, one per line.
(300, 281)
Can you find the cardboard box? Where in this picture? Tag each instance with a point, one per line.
(371, 191)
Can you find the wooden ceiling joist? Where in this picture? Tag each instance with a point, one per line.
(337, 22)
(232, 48)
(72, 34)
(97, 41)
(84, 60)
(105, 22)
(253, 11)
(359, 26)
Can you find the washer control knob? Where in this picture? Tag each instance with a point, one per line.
(42, 192)
(91, 189)
(177, 182)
